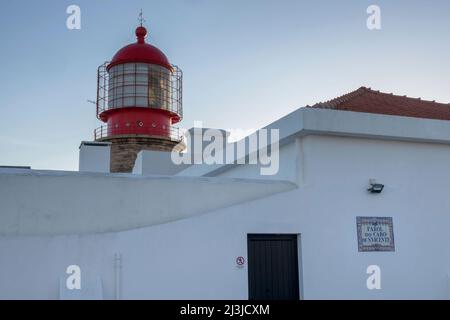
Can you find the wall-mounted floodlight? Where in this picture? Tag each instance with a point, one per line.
(375, 187)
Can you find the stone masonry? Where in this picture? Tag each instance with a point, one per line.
(124, 149)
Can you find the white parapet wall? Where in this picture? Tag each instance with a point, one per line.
(94, 156)
(55, 202)
(149, 162)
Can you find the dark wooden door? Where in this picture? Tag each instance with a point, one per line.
(273, 267)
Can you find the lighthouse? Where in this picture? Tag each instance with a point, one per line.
(139, 99)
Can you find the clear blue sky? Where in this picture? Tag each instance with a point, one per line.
(245, 62)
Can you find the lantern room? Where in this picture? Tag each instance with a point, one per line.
(139, 93)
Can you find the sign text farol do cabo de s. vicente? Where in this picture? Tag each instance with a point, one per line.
(375, 234)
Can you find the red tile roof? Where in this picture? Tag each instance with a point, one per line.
(370, 101)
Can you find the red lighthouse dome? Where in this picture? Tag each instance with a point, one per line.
(140, 52)
(139, 96)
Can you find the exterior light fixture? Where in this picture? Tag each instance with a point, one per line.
(375, 187)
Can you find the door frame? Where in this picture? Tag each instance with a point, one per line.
(299, 256)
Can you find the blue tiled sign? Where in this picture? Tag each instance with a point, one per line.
(375, 234)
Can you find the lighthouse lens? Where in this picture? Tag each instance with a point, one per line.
(140, 85)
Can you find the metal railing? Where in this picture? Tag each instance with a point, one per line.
(108, 131)
(142, 85)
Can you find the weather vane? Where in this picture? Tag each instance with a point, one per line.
(141, 18)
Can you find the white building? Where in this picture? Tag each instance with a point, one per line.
(225, 231)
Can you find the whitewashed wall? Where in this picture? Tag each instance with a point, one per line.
(94, 156)
(194, 258)
(288, 166)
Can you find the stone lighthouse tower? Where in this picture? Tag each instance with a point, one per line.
(139, 98)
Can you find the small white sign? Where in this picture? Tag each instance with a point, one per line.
(240, 261)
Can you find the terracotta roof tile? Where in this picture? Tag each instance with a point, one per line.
(371, 101)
